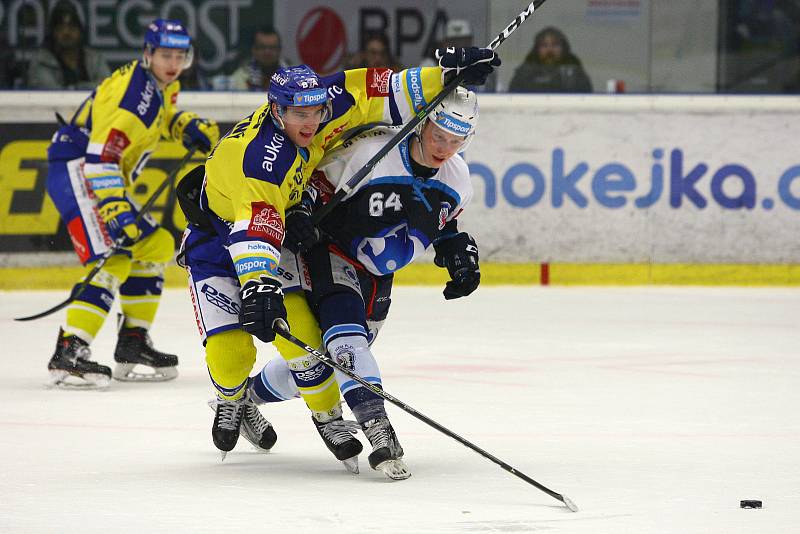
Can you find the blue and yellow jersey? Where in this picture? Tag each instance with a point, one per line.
(255, 173)
(126, 116)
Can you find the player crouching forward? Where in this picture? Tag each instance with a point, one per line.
(93, 163)
(409, 202)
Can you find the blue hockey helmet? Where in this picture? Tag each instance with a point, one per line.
(164, 33)
(298, 86)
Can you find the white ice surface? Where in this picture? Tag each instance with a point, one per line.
(653, 409)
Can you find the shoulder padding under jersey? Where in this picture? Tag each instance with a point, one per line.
(142, 97)
(269, 155)
(341, 99)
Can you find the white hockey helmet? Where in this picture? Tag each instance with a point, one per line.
(457, 114)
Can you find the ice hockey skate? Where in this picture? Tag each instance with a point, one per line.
(71, 368)
(387, 454)
(256, 429)
(134, 348)
(228, 415)
(338, 436)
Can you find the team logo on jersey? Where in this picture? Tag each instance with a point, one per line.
(266, 223)
(378, 82)
(444, 211)
(174, 98)
(116, 143)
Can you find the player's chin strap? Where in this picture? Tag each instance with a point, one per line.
(421, 115)
(118, 244)
(282, 329)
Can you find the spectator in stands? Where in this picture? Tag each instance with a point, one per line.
(550, 67)
(65, 62)
(12, 72)
(375, 53)
(265, 59)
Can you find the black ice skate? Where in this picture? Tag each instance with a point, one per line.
(338, 437)
(256, 429)
(70, 366)
(134, 347)
(387, 454)
(227, 423)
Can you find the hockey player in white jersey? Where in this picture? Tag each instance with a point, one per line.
(408, 203)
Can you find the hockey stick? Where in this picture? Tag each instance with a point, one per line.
(76, 292)
(282, 329)
(322, 212)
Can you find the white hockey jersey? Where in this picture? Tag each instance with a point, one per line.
(392, 217)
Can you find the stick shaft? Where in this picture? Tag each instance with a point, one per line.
(282, 330)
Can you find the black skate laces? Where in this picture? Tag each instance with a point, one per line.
(339, 430)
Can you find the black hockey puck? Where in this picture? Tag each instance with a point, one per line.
(750, 504)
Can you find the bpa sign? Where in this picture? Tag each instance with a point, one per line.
(672, 178)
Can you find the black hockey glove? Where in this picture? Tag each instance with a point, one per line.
(301, 234)
(262, 304)
(478, 62)
(459, 254)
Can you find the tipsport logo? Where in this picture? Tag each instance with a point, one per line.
(310, 98)
(454, 125)
(414, 84)
(614, 185)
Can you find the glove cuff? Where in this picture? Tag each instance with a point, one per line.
(179, 122)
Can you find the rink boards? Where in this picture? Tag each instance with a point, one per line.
(590, 189)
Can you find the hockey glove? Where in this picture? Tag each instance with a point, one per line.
(478, 62)
(195, 132)
(301, 234)
(117, 213)
(459, 254)
(262, 304)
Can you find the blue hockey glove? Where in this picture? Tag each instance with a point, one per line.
(459, 254)
(262, 304)
(478, 62)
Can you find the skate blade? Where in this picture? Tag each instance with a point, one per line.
(90, 381)
(351, 464)
(253, 442)
(394, 469)
(124, 372)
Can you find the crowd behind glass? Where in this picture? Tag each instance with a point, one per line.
(759, 44)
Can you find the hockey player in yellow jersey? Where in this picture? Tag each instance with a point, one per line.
(233, 243)
(93, 162)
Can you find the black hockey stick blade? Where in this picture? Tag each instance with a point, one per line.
(356, 179)
(76, 292)
(282, 329)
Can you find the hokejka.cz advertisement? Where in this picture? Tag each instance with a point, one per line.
(589, 180)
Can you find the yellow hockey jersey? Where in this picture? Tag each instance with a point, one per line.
(255, 172)
(126, 116)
